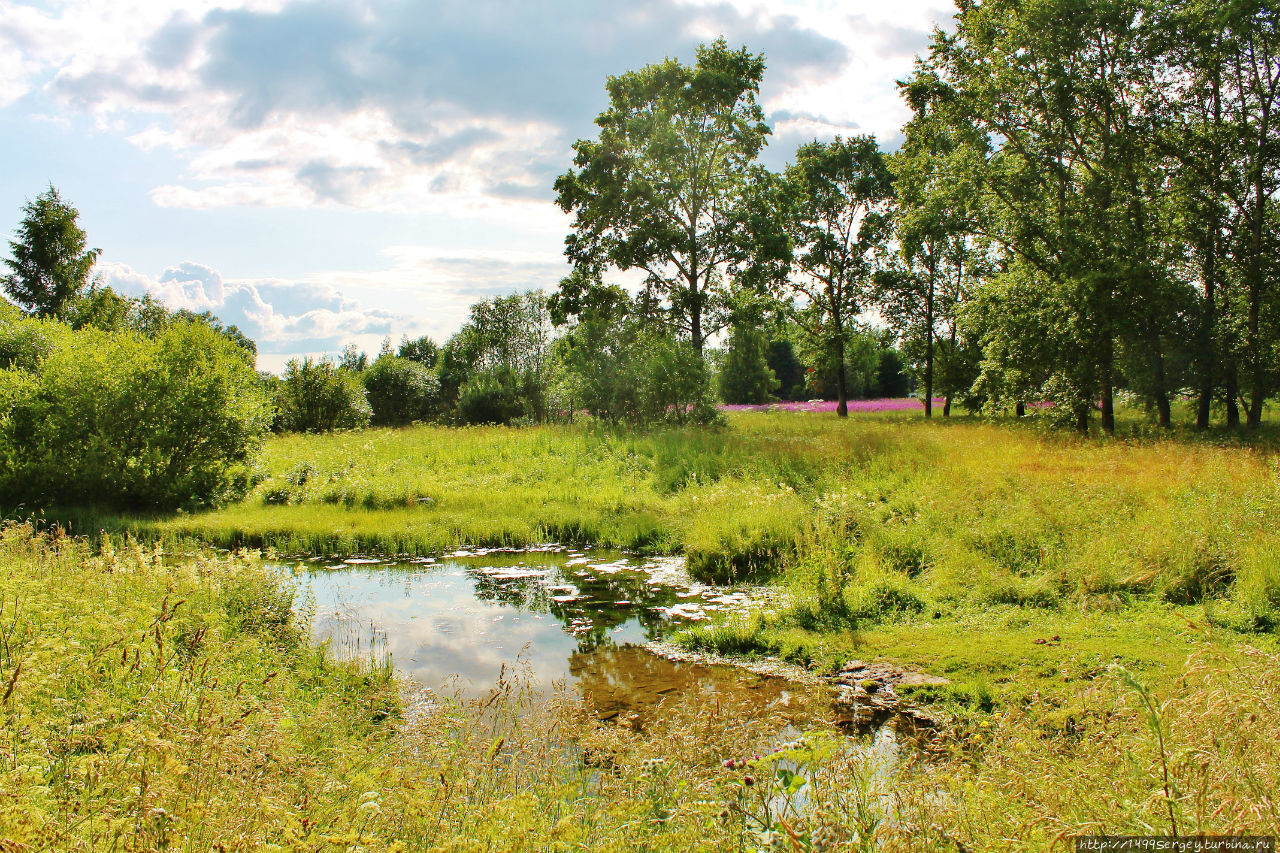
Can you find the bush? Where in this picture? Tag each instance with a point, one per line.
(24, 342)
(745, 375)
(623, 373)
(401, 391)
(118, 419)
(489, 398)
(317, 396)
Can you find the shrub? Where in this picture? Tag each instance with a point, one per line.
(401, 391)
(24, 342)
(674, 382)
(118, 419)
(745, 375)
(317, 396)
(489, 398)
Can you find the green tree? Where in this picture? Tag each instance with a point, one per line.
(422, 350)
(666, 186)
(745, 375)
(1220, 94)
(318, 396)
(786, 367)
(839, 222)
(506, 340)
(354, 359)
(935, 223)
(621, 367)
(103, 308)
(1060, 86)
(400, 391)
(50, 265)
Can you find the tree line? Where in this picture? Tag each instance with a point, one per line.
(1083, 206)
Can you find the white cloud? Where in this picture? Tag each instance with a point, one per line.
(318, 315)
(388, 106)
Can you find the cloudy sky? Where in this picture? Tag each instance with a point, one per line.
(329, 172)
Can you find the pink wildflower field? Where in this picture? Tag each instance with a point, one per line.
(886, 404)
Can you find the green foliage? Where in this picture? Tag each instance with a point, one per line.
(622, 368)
(401, 391)
(51, 262)
(103, 308)
(318, 396)
(24, 342)
(839, 193)
(354, 360)
(890, 379)
(745, 376)
(786, 367)
(490, 397)
(422, 350)
(862, 350)
(116, 419)
(666, 187)
(499, 358)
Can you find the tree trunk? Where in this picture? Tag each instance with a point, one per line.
(1253, 415)
(1082, 421)
(1231, 391)
(1208, 322)
(695, 308)
(1020, 410)
(1256, 271)
(1108, 388)
(946, 407)
(1164, 414)
(842, 393)
(928, 340)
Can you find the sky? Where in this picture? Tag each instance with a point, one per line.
(321, 173)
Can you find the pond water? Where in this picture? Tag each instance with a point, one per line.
(457, 623)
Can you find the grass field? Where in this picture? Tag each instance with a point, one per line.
(1106, 610)
(153, 703)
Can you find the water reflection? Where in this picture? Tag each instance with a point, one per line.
(453, 624)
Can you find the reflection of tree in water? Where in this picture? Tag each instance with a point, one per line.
(604, 601)
(628, 680)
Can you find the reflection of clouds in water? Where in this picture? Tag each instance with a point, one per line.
(439, 629)
(478, 610)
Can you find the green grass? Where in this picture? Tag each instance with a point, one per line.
(159, 703)
(962, 500)
(1153, 558)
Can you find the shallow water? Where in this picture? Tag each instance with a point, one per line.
(456, 624)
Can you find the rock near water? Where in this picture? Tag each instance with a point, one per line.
(868, 693)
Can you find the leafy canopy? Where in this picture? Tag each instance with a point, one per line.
(665, 188)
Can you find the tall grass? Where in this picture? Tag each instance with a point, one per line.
(154, 703)
(964, 511)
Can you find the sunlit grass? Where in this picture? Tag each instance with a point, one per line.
(1012, 513)
(154, 702)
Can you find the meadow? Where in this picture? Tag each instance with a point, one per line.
(1105, 610)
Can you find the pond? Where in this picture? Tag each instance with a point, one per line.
(457, 623)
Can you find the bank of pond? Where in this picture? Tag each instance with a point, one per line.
(512, 699)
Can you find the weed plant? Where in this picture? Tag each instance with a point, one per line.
(154, 702)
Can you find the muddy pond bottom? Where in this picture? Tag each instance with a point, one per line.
(545, 618)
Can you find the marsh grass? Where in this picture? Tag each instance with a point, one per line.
(152, 701)
(963, 510)
(155, 702)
